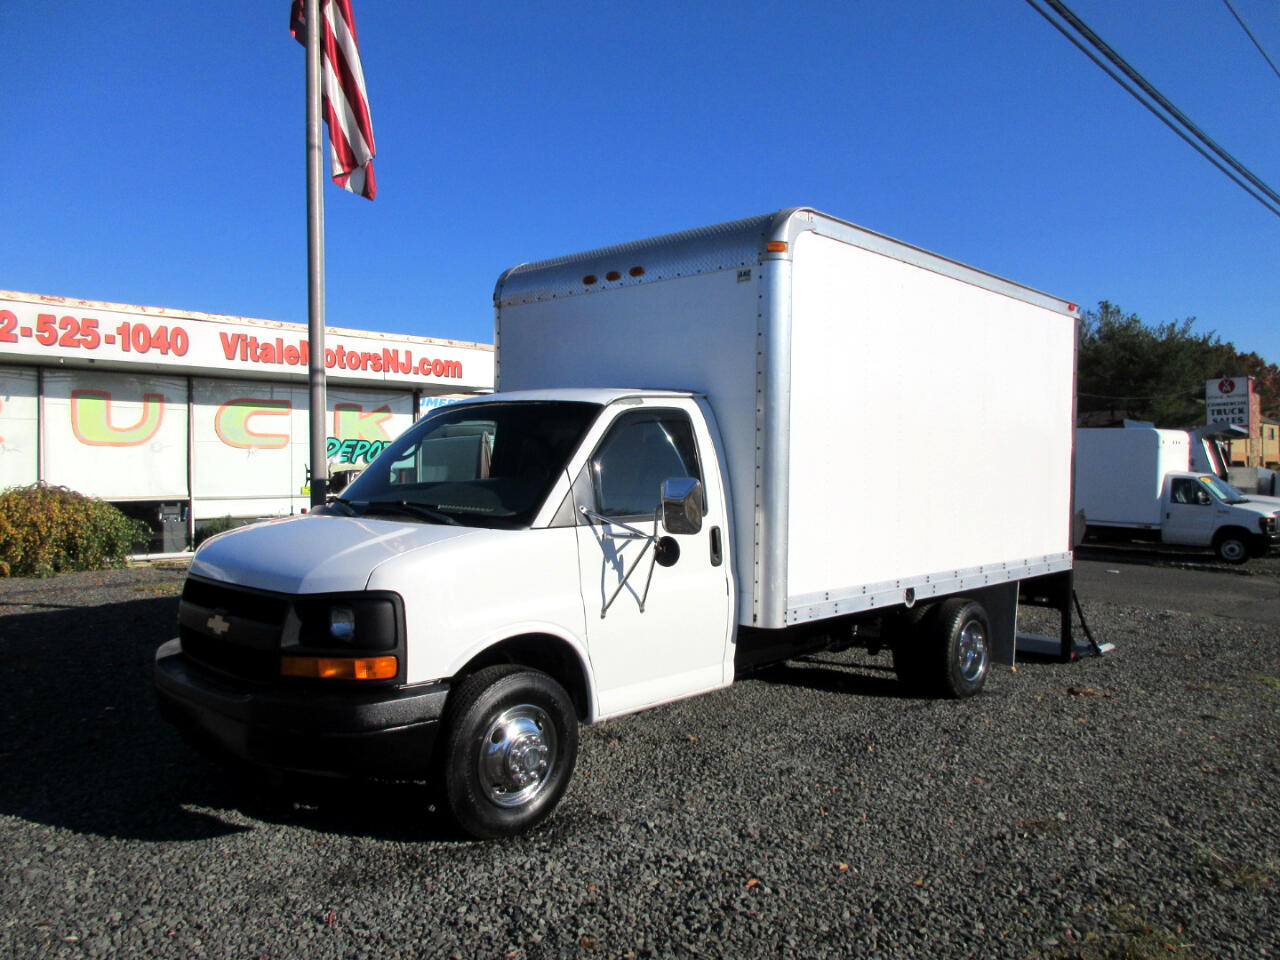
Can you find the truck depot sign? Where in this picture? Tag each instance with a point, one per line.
(1229, 400)
(205, 415)
(53, 329)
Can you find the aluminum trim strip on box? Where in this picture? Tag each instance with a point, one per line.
(857, 599)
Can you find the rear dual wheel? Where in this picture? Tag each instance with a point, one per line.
(945, 650)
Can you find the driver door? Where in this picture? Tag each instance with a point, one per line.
(1189, 516)
(655, 631)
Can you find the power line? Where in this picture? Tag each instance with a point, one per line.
(1141, 90)
(1245, 27)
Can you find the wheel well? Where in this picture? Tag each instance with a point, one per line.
(1240, 533)
(539, 651)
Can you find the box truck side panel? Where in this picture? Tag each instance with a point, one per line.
(690, 333)
(930, 425)
(1120, 472)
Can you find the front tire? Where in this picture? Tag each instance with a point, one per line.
(510, 749)
(1231, 548)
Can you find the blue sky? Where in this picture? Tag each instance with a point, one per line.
(155, 150)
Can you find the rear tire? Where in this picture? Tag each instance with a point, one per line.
(945, 650)
(964, 636)
(510, 749)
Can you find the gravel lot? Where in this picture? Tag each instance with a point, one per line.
(1124, 806)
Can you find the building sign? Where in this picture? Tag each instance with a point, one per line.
(19, 432)
(121, 436)
(54, 329)
(428, 404)
(1229, 400)
(116, 436)
(251, 437)
(155, 406)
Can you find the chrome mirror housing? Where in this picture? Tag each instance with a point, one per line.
(681, 505)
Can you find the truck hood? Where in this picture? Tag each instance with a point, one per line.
(1254, 505)
(314, 553)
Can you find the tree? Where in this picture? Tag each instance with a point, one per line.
(1128, 369)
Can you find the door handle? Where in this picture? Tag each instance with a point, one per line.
(717, 554)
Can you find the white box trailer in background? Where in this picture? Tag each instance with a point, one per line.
(711, 450)
(896, 425)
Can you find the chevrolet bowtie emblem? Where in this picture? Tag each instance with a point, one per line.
(217, 625)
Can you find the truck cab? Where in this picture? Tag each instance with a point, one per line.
(1201, 510)
(518, 542)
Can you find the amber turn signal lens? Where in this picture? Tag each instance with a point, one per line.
(340, 668)
(776, 246)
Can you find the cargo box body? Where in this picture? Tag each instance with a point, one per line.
(1120, 473)
(894, 425)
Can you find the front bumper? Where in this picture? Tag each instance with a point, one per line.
(382, 732)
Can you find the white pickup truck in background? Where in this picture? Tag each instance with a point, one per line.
(710, 451)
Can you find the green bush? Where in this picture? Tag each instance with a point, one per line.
(46, 530)
(207, 528)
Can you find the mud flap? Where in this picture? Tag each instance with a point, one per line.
(1001, 604)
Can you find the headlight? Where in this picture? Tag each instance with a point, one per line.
(345, 621)
(344, 636)
(342, 624)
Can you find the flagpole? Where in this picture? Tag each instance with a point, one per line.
(315, 263)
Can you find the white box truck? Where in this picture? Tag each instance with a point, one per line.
(1136, 483)
(709, 451)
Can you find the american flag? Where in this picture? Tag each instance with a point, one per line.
(345, 104)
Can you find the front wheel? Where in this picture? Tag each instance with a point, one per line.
(1231, 548)
(510, 750)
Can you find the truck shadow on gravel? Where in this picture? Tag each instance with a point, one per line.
(83, 747)
(829, 675)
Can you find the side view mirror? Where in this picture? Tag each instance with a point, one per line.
(681, 505)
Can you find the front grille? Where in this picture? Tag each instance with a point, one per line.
(245, 663)
(250, 604)
(232, 630)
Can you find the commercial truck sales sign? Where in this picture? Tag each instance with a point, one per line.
(57, 329)
(1229, 400)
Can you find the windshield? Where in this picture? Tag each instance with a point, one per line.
(1223, 490)
(481, 464)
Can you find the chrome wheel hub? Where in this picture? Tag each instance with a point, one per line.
(517, 755)
(972, 651)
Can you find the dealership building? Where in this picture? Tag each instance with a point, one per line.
(180, 418)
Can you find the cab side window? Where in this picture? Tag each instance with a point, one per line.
(640, 451)
(1188, 491)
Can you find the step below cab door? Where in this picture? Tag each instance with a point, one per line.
(658, 615)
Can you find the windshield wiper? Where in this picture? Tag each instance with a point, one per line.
(415, 509)
(341, 502)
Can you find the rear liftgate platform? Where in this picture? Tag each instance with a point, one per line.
(1056, 591)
